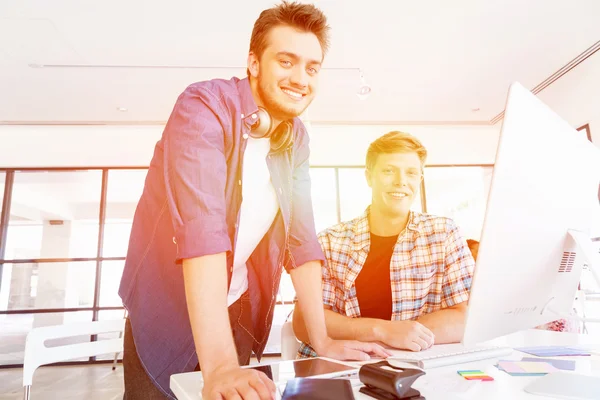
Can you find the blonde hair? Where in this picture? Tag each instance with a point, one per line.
(395, 142)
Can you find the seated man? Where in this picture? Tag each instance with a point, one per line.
(393, 275)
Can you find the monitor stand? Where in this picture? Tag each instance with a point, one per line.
(586, 247)
(580, 243)
(569, 385)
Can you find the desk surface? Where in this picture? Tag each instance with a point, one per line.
(444, 383)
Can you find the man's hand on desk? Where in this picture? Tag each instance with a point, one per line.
(405, 335)
(349, 350)
(235, 383)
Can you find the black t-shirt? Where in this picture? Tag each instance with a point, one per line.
(373, 285)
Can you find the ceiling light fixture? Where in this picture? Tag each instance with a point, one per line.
(122, 109)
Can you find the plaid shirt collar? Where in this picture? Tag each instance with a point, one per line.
(362, 230)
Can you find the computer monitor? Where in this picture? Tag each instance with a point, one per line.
(538, 221)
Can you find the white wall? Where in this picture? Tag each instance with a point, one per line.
(71, 146)
(575, 97)
(347, 145)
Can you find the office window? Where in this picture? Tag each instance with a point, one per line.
(355, 193)
(54, 215)
(110, 279)
(324, 197)
(459, 193)
(2, 179)
(49, 285)
(123, 193)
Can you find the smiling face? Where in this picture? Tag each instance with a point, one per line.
(394, 180)
(286, 74)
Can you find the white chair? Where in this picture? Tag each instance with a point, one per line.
(37, 354)
(120, 336)
(289, 343)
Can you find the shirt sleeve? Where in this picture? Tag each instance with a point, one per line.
(303, 243)
(459, 265)
(328, 284)
(195, 174)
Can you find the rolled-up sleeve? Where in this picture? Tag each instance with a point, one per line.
(303, 243)
(328, 284)
(195, 175)
(458, 272)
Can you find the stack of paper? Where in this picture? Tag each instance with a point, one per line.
(526, 368)
(553, 351)
(567, 365)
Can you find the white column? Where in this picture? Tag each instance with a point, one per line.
(53, 279)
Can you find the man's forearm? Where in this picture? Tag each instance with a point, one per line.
(340, 327)
(205, 280)
(307, 283)
(447, 325)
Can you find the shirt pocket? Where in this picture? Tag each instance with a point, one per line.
(420, 282)
(422, 271)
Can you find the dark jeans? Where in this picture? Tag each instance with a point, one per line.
(138, 384)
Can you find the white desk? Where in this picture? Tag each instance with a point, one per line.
(445, 384)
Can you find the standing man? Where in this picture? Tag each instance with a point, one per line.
(393, 275)
(226, 206)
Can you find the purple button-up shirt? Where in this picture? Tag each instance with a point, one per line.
(190, 207)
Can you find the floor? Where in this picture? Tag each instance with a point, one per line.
(89, 382)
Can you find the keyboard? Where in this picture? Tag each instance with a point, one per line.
(442, 355)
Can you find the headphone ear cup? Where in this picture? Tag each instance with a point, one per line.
(282, 137)
(261, 128)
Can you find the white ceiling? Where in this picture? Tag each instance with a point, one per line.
(427, 61)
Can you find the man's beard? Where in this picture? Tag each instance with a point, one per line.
(276, 109)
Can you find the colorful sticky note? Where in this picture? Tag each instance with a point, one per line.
(472, 375)
(478, 378)
(471, 372)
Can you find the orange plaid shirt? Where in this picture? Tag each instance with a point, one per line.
(431, 267)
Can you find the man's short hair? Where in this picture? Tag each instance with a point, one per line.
(303, 17)
(395, 142)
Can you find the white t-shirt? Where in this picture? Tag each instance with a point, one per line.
(258, 210)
